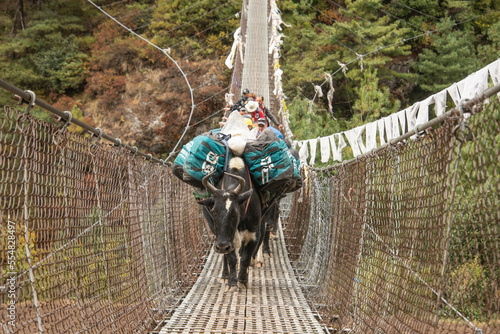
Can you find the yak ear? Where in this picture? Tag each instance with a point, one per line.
(206, 202)
(243, 197)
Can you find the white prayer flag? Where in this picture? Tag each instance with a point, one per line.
(314, 144)
(361, 145)
(381, 130)
(440, 102)
(371, 136)
(395, 125)
(353, 137)
(237, 44)
(325, 149)
(423, 110)
(474, 84)
(303, 152)
(402, 120)
(411, 116)
(494, 70)
(454, 93)
(388, 127)
(337, 149)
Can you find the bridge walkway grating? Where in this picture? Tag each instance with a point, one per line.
(274, 302)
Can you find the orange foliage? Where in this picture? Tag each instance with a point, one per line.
(65, 102)
(106, 86)
(332, 15)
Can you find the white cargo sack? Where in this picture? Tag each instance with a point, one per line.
(236, 126)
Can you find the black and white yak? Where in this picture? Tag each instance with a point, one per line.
(233, 213)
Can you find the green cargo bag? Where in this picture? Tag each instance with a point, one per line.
(269, 162)
(294, 157)
(207, 155)
(178, 168)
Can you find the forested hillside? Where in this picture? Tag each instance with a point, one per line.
(78, 59)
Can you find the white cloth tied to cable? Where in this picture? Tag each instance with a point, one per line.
(440, 102)
(318, 90)
(474, 84)
(494, 70)
(381, 130)
(314, 145)
(229, 99)
(275, 16)
(411, 117)
(337, 149)
(303, 152)
(354, 136)
(275, 43)
(237, 45)
(277, 80)
(343, 67)
(329, 147)
(454, 93)
(319, 93)
(371, 136)
(329, 95)
(360, 57)
(324, 144)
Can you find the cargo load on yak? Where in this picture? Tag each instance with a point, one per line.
(271, 164)
(201, 156)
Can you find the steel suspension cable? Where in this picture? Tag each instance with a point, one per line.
(95, 131)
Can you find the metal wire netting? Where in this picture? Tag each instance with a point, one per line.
(93, 239)
(406, 240)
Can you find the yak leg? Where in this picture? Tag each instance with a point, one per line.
(267, 249)
(246, 257)
(258, 259)
(225, 269)
(257, 256)
(230, 259)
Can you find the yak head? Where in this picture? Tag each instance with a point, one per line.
(226, 209)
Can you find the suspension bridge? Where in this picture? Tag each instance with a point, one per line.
(98, 237)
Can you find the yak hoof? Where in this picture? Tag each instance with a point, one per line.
(257, 263)
(230, 288)
(243, 285)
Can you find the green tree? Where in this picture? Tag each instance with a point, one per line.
(45, 56)
(324, 35)
(373, 100)
(490, 51)
(183, 26)
(305, 117)
(450, 58)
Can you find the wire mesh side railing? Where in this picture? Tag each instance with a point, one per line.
(406, 240)
(93, 238)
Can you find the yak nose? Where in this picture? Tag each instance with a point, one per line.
(224, 247)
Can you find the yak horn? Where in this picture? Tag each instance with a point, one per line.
(241, 182)
(211, 189)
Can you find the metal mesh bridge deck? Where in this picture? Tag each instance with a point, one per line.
(273, 303)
